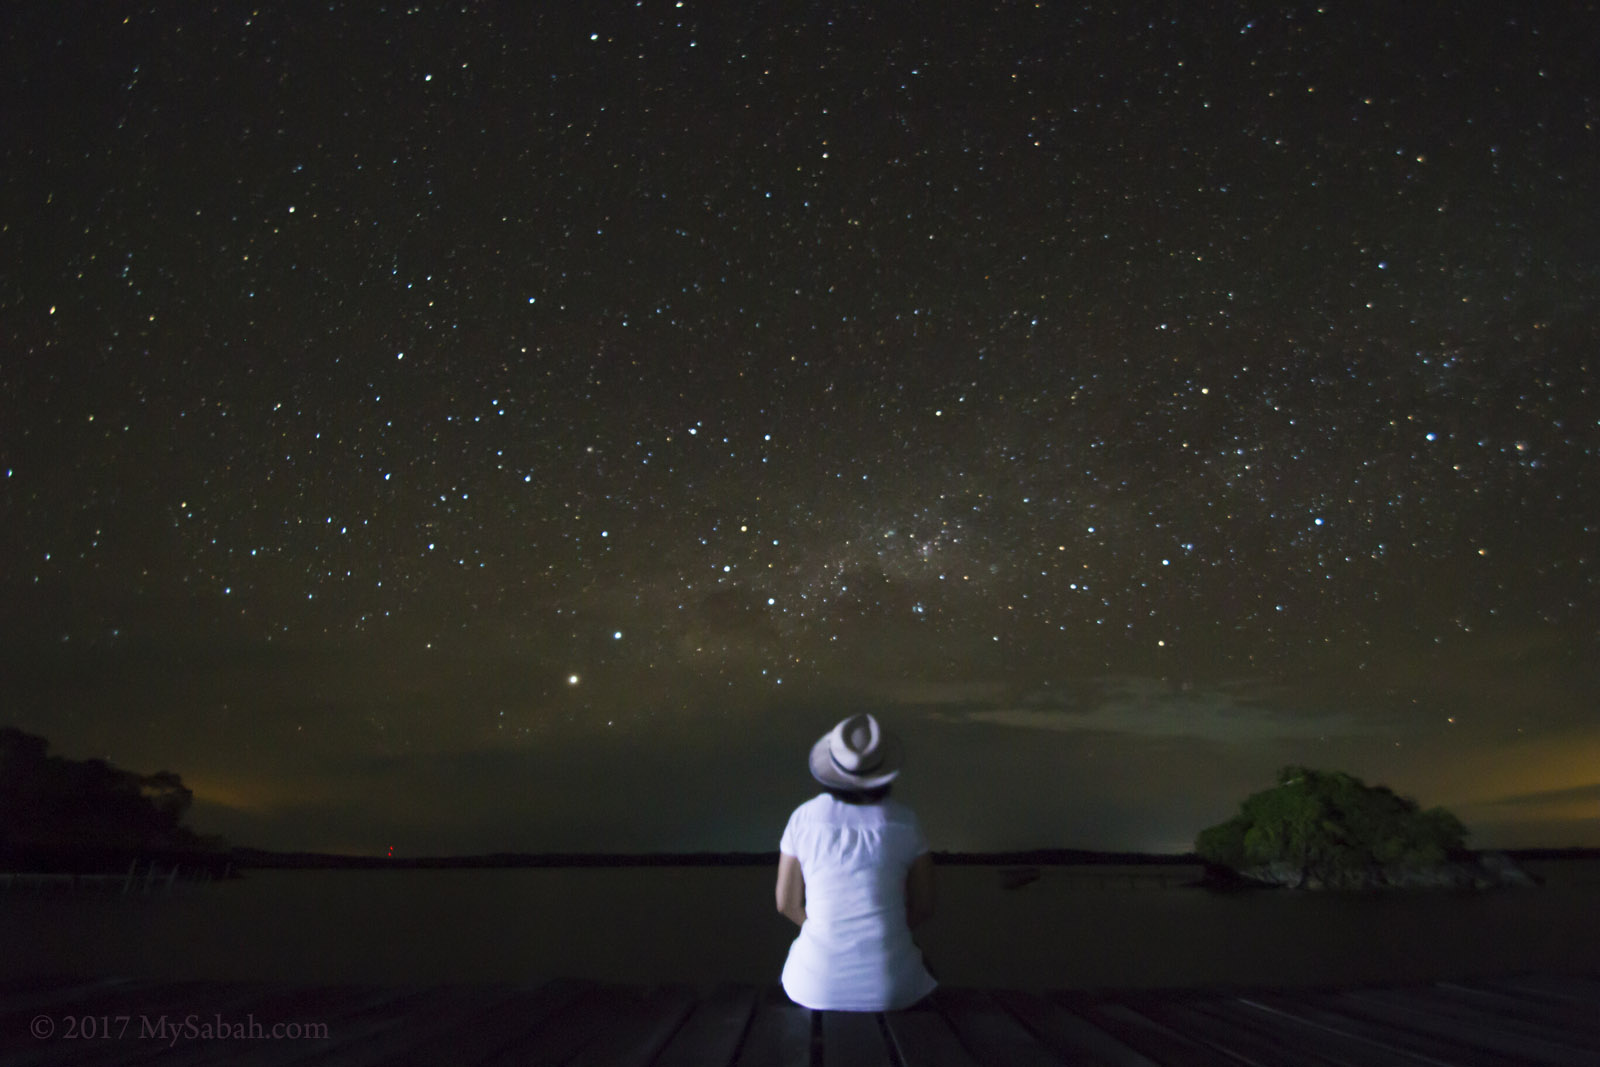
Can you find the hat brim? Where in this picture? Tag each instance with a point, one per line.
(825, 771)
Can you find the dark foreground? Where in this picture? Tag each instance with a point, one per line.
(1538, 1019)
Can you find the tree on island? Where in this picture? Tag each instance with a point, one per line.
(57, 811)
(1329, 829)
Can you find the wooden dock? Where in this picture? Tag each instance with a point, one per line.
(152, 877)
(1509, 1022)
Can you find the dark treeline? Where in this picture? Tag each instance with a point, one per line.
(263, 859)
(59, 814)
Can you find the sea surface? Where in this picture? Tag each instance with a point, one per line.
(1073, 927)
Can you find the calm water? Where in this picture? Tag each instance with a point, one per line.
(704, 925)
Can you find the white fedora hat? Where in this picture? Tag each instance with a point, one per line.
(856, 754)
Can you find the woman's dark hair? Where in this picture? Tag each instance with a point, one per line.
(859, 796)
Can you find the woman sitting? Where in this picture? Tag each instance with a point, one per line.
(855, 873)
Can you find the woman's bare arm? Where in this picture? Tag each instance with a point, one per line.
(791, 888)
(919, 890)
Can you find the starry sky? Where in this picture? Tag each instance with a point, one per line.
(471, 427)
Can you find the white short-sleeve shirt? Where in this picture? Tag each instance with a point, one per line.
(855, 951)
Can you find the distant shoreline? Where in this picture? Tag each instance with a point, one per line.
(263, 859)
(232, 861)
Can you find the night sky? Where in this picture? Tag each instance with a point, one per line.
(524, 427)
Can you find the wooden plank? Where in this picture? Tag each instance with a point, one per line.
(21, 1047)
(779, 1035)
(379, 1027)
(1580, 1033)
(988, 1031)
(1243, 1043)
(112, 1023)
(1553, 1020)
(853, 1039)
(1576, 1019)
(369, 1010)
(124, 1015)
(1070, 1036)
(506, 1016)
(1294, 1032)
(20, 993)
(1146, 1036)
(12, 982)
(1324, 1008)
(124, 1011)
(55, 1003)
(114, 998)
(635, 1037)
(1570, 989)
(383, 1035)
(710, 1036)
(266, 1006)
(922, 1038)
(580, 1021)
(1481, 1035)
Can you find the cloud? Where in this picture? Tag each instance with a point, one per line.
(1582, 794)
(241, 794)
(1151, 708)
(932, 693)
(1557, 817)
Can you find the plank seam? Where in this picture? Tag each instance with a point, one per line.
(1344, 1033)
(889, 1043)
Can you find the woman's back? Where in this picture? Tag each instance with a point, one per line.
(855, 951)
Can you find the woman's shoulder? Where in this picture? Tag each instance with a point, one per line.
(827, 808)
(820, 804)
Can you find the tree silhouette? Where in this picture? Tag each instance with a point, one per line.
(53, 805)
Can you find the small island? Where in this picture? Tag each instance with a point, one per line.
(1330, 830)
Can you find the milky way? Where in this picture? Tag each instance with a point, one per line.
(402, 405)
